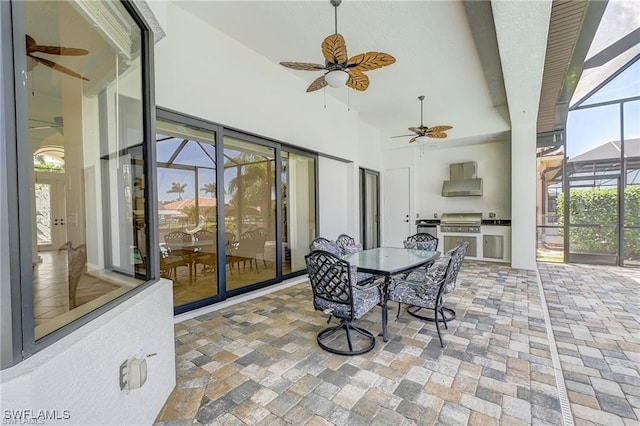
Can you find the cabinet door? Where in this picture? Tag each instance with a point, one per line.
(451, 241)
(493, 246)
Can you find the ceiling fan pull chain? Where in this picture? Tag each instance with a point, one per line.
(325, 97)
(348, 100)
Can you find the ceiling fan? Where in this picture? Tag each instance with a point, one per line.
(32, 60)
(42, 124)
(340, 68)
(423, 132)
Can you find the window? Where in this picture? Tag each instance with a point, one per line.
(82, 162)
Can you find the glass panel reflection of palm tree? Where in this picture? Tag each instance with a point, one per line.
(209, 188)
(177, 188)
(251, 189)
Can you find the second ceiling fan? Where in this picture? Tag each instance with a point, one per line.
(340, 68)
(423, 132)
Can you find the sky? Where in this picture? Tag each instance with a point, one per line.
(590, 128)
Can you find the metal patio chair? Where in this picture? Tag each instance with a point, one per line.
(334, 294)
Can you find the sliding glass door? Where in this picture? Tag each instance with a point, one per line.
(187, 219)
(298, 182)
(249, 212)
(230, 229)
(369, 208)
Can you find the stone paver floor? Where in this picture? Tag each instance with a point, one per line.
(595, 315)
(257, 362)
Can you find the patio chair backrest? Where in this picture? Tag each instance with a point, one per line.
(421, 236)
(251, 243)
(332, 281)
(347, 244)
(204, 235)
(321, 243)
(177, 237)
(457, 255)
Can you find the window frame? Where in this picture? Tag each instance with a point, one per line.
(22, 343)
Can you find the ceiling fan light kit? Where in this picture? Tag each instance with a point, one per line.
(337, 78)
(340, 68)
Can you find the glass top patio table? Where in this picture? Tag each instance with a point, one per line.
(389, 261)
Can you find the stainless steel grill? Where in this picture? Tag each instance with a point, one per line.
(461, 222)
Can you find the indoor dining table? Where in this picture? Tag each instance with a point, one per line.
(388, 261)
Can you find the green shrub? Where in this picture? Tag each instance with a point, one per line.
(600, 206)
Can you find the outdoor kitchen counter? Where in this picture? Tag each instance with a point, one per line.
(489, 236)
(496, 222)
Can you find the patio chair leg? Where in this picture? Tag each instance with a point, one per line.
(347, 327)
(438, 327)
(398, 313)
(348, 332)
(450, 314)
(442, 314)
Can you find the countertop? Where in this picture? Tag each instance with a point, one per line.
(488, 222)
(497, 222)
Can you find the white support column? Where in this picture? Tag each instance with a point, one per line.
(521, 29)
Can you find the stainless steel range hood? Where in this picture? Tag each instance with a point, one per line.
(463, 181)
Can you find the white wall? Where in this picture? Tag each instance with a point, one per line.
(80, 372)
(332, 193)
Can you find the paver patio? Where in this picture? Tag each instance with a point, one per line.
(257, 362)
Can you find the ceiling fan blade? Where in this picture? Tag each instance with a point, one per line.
(32, 46)
(437, 135)
(59, 50)
(334, 49)
(302, 66)
(318, 83)
(358, 81)
(402, 136)
(419, 130)
(413, 139)
(43, 124)
(58, 67)
(439, 128)
(370, 61)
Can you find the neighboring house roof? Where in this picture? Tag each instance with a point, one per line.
(190, 202)
(609, 150)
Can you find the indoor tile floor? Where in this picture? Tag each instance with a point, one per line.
(257, 362)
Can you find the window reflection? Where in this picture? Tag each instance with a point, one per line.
(250, 219)
(298, 209)
(86, 137)
(187, 210)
